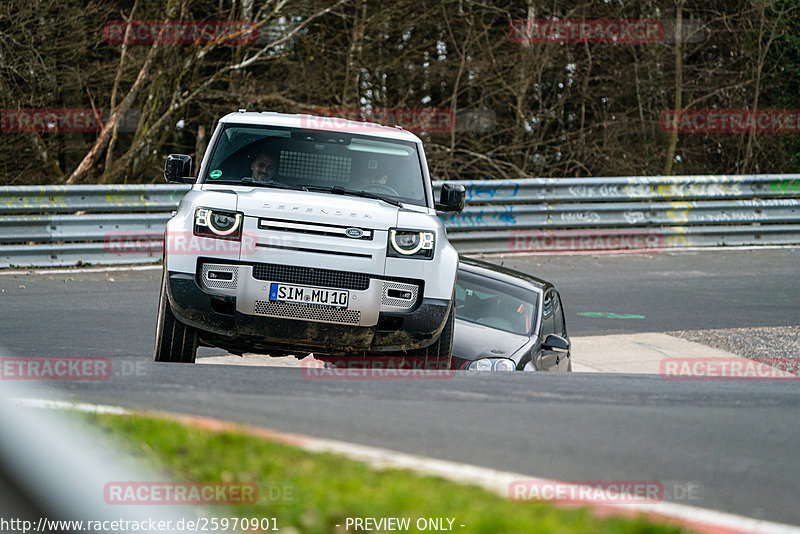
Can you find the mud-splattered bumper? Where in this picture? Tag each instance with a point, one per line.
(217, 315)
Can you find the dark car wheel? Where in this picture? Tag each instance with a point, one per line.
(439, 354)
(175, 341)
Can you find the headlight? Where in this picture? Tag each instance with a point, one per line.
(481, 365)
(410, 243)
(217, 223)
(492, 364)
(502, 364)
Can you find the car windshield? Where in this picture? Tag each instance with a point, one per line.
(493, 303)
(318, 160)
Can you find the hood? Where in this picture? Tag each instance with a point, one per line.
(473, 341)
(325, 208)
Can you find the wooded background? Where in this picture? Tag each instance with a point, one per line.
(549, 109)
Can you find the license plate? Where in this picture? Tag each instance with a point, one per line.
(335, 298)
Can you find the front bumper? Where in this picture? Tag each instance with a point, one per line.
(228, 319)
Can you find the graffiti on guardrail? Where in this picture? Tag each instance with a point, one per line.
(732, 216)
(586, 240)
(35, 201)
(696, 190)
(634, 217)
(724, 187)
(770, 202)
(785, 186)
(600, 190)
(477, 191)
(588, 217)
(500, 216)
(679, 214)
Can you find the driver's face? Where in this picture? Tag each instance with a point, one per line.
(264, 167)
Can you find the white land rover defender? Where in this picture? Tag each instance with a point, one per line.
(308, 234)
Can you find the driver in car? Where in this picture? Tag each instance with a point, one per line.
(264, 167)
(379, 184)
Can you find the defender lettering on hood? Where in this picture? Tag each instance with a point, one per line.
(323, 211)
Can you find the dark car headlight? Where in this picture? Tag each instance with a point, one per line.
(410, 243)
(218, 223)
(492, 364)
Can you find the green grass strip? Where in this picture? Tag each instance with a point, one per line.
(312, 493)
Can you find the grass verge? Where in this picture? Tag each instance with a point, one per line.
(313, 493)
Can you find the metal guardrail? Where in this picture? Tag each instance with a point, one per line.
(43, 226)
(67, 225)
(626, 213)
(52, 199)
(637, 188)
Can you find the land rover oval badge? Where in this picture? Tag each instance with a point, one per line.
(355, 233)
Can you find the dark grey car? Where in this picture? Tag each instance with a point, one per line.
(507, 320)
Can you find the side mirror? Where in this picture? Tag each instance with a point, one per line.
(452, 198)
(178, 169)
(555, 342)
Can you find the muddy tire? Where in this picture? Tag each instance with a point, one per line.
(439, 354)
(175, 341)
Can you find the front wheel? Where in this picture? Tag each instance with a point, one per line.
(175, 341)
(439, 355)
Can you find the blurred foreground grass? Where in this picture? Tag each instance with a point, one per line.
(317, 492)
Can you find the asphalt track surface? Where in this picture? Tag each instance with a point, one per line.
(731, 444)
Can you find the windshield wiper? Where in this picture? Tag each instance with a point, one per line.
(339, 190)
(251, 182)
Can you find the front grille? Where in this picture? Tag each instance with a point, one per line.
(310, 276)
(313, 312)
(301, 227)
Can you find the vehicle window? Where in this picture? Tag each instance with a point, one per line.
(297, 157)
(492, 303)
